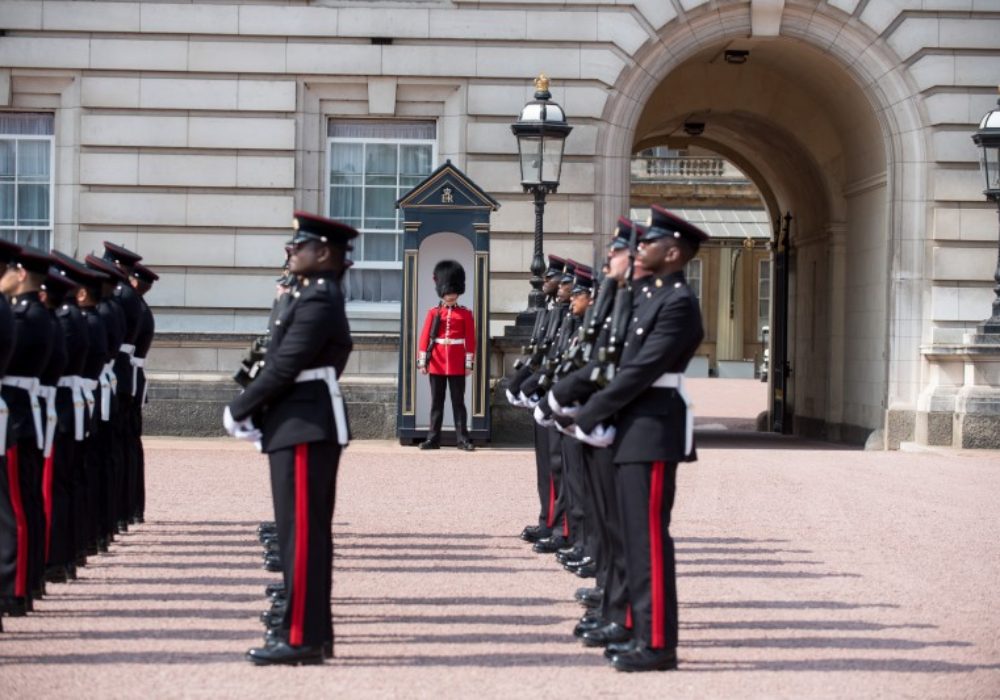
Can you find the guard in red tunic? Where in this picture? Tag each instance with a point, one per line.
(447, 349)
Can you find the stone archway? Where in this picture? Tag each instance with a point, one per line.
(826, 123)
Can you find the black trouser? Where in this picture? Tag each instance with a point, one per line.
(573, 494)
(138, 505)
(58, 489)
(645, 498)
(82, 518)
(30, 468)
(546, 490)
(121, 421)
(303, 487)
(610, 548)
(557, 513)
(14, 552)
(455, 384)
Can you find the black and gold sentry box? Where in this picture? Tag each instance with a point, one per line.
(445, 217)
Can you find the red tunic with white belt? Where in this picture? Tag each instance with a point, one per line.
(455, 343)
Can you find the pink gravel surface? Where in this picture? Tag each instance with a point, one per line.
(805, 570)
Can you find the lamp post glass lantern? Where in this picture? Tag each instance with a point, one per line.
(988, 140)
(541, 132)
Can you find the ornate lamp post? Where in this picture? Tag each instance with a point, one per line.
(988, 140)
(541, 132)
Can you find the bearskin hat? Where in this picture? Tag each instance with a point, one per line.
(449, 278)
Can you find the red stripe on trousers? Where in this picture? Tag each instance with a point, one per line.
(14, 482)
(47, 499)
(565, 526)
(628, 616)
(656, 556)
(300, 572)
(550, 518)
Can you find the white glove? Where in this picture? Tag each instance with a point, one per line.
(532, 401)
(513, 400)
(599, 437)
(541, 418)
(241, 430)
(561, 410)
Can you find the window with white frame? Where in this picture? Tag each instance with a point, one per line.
(26, 165)
(372, 163)
(692, 272)
(763, 297)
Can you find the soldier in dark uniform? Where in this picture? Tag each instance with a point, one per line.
(34, 335)
(142, 280)
(653, 431)
(65, 438)
(107, 448)
(93, 462)
(546, 491)
(8, 517)
(127, 440)
(295, 408)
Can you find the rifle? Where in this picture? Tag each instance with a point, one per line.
(532, 346)
(610, 354)
(582, 349)
(252, 362)
(561, 348)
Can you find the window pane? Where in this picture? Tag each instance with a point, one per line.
(33, 205)
(346, 163)
(372, 129)
(7, 205)
(380, 246)
(38, 239)
(380, 207)
(375, 285)
(345, 204)
(33, 161)
(414, 165)
(380, 164)
(7, 161)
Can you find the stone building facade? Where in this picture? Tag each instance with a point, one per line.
(190, 131)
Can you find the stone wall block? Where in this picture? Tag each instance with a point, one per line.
(487, 137)
(109, 92)
(266, 95)
(263, 20)
(193, 249)
(132, 208)
(261, 133)
(971, 33)
(158, 169)
(962, 264)
(165, 18)
(954, 146)
(932, 70)
(109, 168)
(89, 16)
(478, 24)
(384, 22)
(236, 291)
(429, 60)
(957, 185)
(334, 59)
(138, 54)
(187, 93)
(258, 250)
(527, 62)
(168, 291)
(22, 14)
(237, 56)
(914, 34)
(563, 25)
(265, 172)
(600, 64)
(44, 52)
(133, 130)
(977, 71)
(656, 12)
(255, 211)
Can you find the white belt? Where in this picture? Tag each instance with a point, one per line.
(51, 418)
(75, 384)
(136, 362)
(4, 414)
(89, 386)
(127, 349)
(675, 380)
(449, 341)
(329, 375)
(30, 385)
(109, 385)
